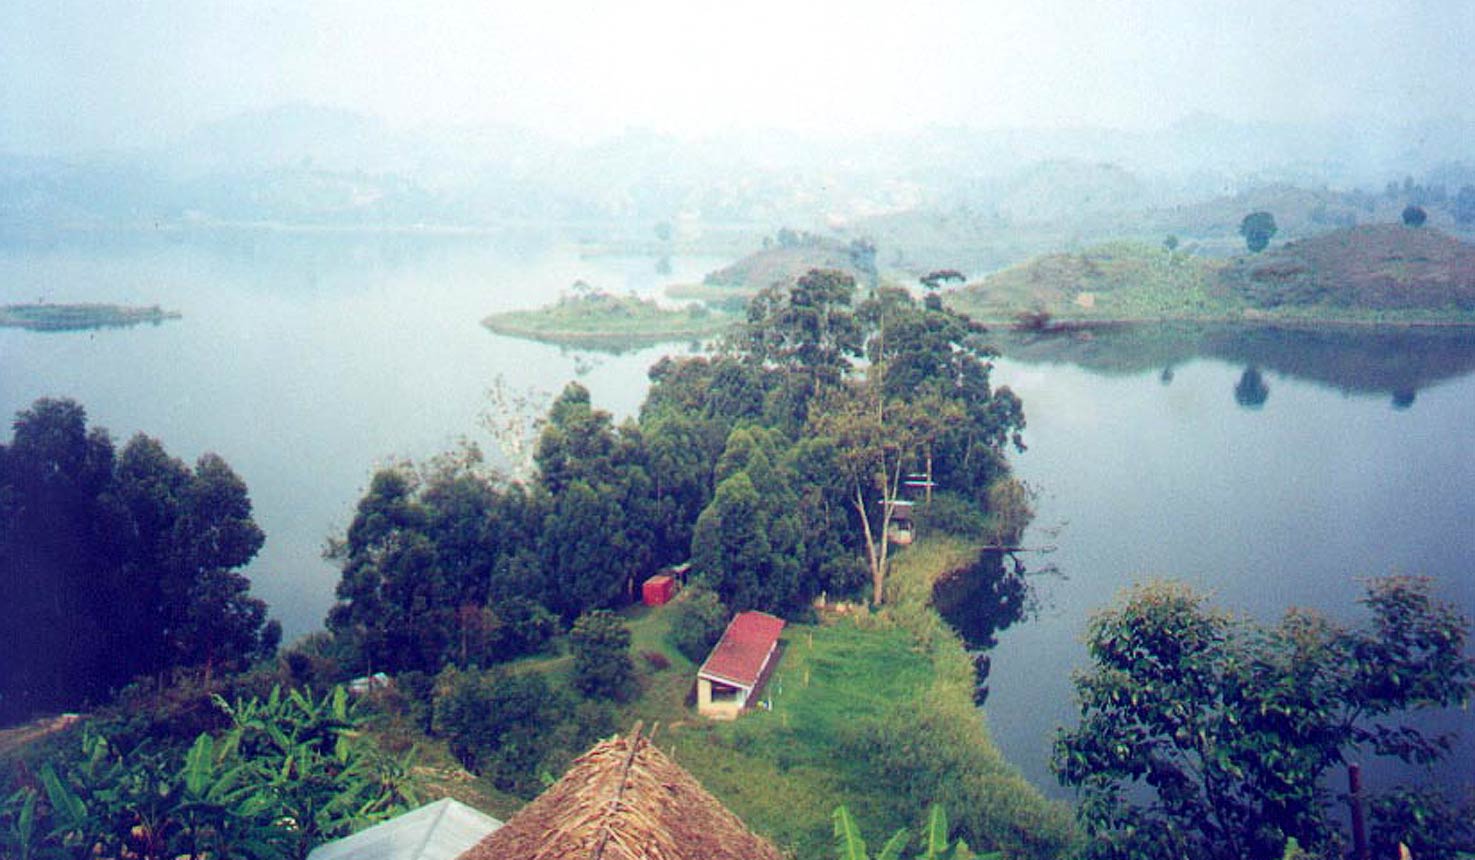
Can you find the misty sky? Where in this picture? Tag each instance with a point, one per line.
(101, 74)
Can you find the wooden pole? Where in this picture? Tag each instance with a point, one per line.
(1354, 800)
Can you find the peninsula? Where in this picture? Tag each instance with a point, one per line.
(592, 318)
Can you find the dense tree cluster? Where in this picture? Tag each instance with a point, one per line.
(116, 563)
(766, 463)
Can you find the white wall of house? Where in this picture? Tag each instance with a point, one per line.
(724, 702)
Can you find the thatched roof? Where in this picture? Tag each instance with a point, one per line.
(623, 800)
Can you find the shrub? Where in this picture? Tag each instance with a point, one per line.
(698, 624)
(950, 513)
(601, 646)
(499, 725)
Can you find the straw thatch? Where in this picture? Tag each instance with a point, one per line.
(623, 800)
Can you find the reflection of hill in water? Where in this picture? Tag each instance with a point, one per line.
(1398, 362)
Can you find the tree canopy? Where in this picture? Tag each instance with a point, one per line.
(1258, 228)
(117, 563)
(767, 464)
(1208, 736)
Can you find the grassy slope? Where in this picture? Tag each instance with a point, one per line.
(1378, 272)
(783, 771)
(1115, 281)
(1383, 273)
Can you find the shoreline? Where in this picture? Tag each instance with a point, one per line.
(1070, 325)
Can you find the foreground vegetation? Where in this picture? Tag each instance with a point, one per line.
(595, 319)
(1205, 735)
(277, 776)
(117, 562)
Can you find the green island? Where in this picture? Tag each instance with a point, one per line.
(592, 318)
(1389, 274)
(43, 316)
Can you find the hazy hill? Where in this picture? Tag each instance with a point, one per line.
(1376, 267)
(1373, 273)
(786, 260)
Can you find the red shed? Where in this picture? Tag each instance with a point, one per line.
(658, 590)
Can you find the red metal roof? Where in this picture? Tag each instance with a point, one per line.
(740, 656)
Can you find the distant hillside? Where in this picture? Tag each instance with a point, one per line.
(1058, 190)
(782, 261)
(1115, 281)
(1373, 268)
(787, 259)
(1383, 273)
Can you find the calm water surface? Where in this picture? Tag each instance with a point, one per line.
(1289, 502)
(307, 361)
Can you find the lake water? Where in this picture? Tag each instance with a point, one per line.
(1349, 468)
(307, 360)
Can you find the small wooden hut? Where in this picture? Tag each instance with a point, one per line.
(624, 800)
(658, 590)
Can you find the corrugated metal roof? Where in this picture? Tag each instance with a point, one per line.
(744, 648)
(442, 830)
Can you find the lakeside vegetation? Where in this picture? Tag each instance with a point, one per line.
(44, 316)
(595, 319)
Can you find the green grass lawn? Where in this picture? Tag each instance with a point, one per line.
(784, 770)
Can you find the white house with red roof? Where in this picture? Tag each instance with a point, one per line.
(733, 674)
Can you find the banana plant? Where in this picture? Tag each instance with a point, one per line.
(849, 845)
(20, 835)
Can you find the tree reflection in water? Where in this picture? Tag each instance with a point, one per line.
(981, 600)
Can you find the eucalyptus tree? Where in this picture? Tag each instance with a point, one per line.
(115, 564)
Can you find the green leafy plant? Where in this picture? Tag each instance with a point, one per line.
(851, 845)
(1205, 735)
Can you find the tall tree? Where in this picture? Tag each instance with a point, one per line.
(1258, 228)
(117, 564)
